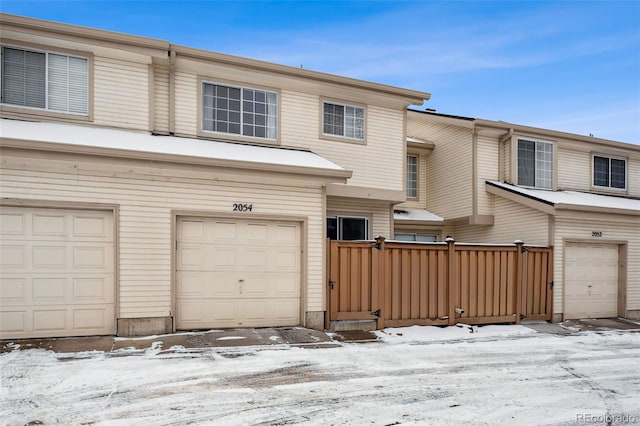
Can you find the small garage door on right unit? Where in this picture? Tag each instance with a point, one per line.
(590, 280)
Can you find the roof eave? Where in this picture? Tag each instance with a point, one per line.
(331, 175)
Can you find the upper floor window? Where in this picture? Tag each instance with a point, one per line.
(45, 80)
(239, 111)
(535, 164)
(412, 176)
(609, 172)
(343, 120)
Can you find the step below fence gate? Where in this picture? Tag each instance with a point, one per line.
(400, 284)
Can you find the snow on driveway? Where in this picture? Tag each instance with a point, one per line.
(415, 375)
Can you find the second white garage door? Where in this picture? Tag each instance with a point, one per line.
(237, 273)
(591, 280)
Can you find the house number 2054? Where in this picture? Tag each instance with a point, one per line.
(242, 207)
(596, 234)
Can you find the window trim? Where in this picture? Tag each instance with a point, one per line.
(367, 222)
(339, 138)
(18, 111)
(515, 156)
(210, 134)
(417, 180)
(609, 188)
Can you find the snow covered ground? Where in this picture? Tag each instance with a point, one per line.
(413, 375)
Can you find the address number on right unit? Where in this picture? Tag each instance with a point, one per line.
(597, 234)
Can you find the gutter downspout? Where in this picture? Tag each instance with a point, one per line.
(501, 154)
(172, 91)
(474, 171)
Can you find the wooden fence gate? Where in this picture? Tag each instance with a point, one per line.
(401, 284)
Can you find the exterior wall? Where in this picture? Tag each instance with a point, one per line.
(377, 163)
(160, 99)
(121, 91)
(120, 79)
(147, 196)
(487, 169)
(378, 212)
(614, 229)
(512, 221)
(574, 169)
(186, 108)
(448, 167)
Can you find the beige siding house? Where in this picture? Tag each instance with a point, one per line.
(496, 182)
(148, 187)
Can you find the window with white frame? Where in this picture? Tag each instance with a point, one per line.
(240, 111)
(347, 228)
(343, 120)
(412, 176)
(535, 164)
(44, 80)
(609, 172)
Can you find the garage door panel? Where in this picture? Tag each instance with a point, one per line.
(591, 280)
(206, 284)
(55, 262)
(287, 234)
(286, 311)
(13, 290)
(246, 270)
(224, 231)
(12, 224)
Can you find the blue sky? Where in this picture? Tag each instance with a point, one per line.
(566, 65)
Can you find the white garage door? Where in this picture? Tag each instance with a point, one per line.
(237, 273)
(56, 273)
(591, 280)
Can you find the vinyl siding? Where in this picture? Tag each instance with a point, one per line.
(186, 107)
(512, 221)
(146, 197)
(487, 169)
(379, 213)
(574, 170)
(161, 99)
(121, 93)
(579, 227)
(376, 164)
(448, 169)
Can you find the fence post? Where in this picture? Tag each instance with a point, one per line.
(519, 282)
(382, 280)
(452, 284)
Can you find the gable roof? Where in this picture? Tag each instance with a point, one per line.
(142, 145)
(552, 201)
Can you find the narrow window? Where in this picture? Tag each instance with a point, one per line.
(412, 176)
(535, 164)
(343, 120)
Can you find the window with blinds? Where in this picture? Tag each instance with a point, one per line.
(44, 80)
(535, 164)
(343, 120)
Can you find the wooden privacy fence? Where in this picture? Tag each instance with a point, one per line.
(401, 284)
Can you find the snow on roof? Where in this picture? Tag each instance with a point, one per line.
(93, 137)
(573, 198)
(417, 215)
